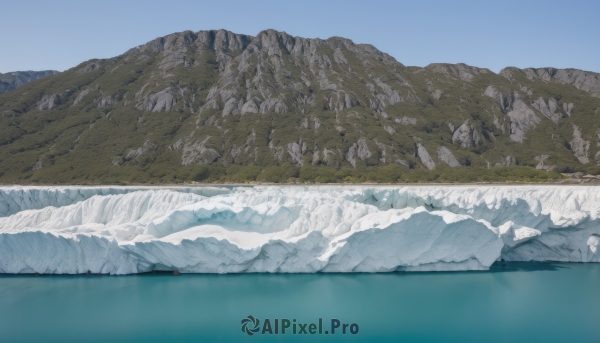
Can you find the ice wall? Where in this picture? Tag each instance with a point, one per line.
(121, 230)
(19, 198)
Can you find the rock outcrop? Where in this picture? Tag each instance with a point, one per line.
(199, 152)
(161, 101)
(522, 117)
(424, 156)
(466, 135)
(584, 80)
(549, 111)
(446, 156)
(542, 162)
(579, 146)
(297, 152)
(81, 95)
(406, 120)
(48, 102)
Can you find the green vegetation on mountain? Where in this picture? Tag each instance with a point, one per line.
(214, 106)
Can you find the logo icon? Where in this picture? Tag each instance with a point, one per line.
(250, 325)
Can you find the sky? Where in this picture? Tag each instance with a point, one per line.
(42, 35)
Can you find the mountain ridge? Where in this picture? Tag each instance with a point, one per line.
(196, 104)
(14, 79)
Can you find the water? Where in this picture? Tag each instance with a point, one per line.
(520, 302)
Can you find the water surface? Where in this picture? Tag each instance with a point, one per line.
(518, 302)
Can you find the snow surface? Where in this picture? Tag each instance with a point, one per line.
(124, 230)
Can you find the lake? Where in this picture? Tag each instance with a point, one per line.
(514, 302)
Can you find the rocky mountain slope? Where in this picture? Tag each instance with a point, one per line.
(12, 80)
(215, 105)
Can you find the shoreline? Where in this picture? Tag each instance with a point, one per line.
(497, 266)
(199, 185)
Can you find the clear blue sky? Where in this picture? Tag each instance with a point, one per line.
(47, 34)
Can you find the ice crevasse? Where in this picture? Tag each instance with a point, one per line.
(125, 230)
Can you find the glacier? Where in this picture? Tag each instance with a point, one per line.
(293, 229)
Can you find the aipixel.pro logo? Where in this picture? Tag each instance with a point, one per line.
(251, 325)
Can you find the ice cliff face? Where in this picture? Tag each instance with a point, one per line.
(120, 230)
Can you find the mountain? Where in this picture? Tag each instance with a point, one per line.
(220, 106)
(12, 80)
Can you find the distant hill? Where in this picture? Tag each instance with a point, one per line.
(12, 80)
(219, 106)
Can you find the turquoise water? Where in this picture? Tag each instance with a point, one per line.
(520, 302)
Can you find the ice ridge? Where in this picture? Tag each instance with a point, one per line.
(125, 230)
